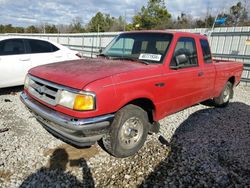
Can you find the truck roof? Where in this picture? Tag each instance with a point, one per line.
(176, 33)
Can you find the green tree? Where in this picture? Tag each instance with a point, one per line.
(118, 24)
(51, 29)
(97, 23)
(184, 21)
(31, 29)
(130, 27)
(235, 13)
(1, 28)
(105, 22)
(153, 16)
(9, 29)
(109, 22)
(19, 29)
(200, 23)
(238, 14)
(209, 20)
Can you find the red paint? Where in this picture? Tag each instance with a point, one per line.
(116, 83)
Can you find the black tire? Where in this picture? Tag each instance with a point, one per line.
(225, 96)
(130, 121)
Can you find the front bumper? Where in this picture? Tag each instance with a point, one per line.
(79, 132)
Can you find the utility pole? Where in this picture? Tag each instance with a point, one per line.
(124, 24)
(44, 30)
(98, 37)
(207, 15)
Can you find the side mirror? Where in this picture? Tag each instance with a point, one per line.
(181, 59)
(100, 50)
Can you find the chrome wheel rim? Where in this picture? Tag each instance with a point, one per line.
(226, 94)
(131, 132)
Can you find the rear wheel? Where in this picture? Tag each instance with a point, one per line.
(225, 96)
(128, 132)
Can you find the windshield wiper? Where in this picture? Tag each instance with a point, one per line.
(131, 59)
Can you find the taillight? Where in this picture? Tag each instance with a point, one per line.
(79, 55)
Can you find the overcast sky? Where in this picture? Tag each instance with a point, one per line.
(34, 12)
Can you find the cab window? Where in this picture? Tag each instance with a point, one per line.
(207, 57)
(185, 54)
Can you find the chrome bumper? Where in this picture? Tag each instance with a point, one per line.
(79, 132)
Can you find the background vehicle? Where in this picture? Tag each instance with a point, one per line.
(19, 54)
(140, 78)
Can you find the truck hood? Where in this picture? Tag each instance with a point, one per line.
(78, 73)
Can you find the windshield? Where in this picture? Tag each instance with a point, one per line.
(149, 47)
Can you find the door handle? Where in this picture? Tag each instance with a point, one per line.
(24, 59)
(200, 73)
(160, 84)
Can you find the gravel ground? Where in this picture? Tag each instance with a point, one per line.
(199, 147)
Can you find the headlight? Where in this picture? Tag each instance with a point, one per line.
(26, 81)
(77, 101)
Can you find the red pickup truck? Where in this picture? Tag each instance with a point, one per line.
(119, 97)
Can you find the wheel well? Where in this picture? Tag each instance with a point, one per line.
(147, 105)
(232, 80)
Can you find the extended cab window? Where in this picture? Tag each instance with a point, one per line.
(185, 54)
(12, 47)
(39, 46)
(207, 57)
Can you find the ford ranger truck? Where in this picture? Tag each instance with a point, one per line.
(118, 98)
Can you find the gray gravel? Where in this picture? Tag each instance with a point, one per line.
(201, 146)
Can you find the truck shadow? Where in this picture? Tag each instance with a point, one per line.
(11, 90)
(210, 148)
(56, 175)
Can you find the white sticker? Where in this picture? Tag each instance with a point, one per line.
(152, 57)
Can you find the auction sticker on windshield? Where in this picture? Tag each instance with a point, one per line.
(152, 57)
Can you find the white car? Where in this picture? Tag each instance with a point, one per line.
(19, 54)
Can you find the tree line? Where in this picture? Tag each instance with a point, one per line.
(152, 16)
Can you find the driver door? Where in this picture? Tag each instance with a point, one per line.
(183, 84)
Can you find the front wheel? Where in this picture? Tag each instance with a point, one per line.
(128, 132)
(225, 96)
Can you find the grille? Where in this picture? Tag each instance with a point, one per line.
(45, 91)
